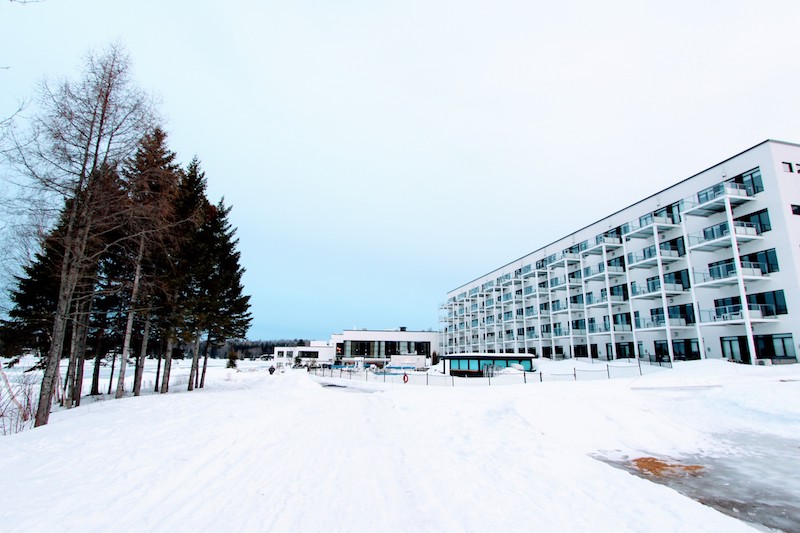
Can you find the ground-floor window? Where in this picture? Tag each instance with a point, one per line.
(735, 348)
(661, 350)
(769, 346)
(685, 349)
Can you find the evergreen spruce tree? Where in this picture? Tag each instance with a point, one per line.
(175, 305)
(227, 307)
(151, 179)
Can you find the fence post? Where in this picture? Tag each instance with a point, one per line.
(608, 371)
(639, 360)
(426, 379)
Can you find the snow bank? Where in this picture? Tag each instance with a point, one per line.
(254, 452)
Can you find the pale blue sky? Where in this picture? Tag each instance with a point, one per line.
(378, 154)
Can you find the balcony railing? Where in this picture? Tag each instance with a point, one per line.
(647, 223)
(728, 271)
(719, 231)
(730, 313)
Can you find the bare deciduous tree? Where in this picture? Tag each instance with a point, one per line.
(82, 132)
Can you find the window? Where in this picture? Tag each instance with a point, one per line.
(771, 303)
(685, 349)
(751, 181)
(675, 245)
(682, 312)
(767, 260)
(795, 209)
(774, 346)
(760, 219)
(787, 167)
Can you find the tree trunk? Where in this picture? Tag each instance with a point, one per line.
(195, 361)
(98, 358)
(158, 373)
(83, 328)
(205, 360)
(137, 379)
(111, 377)
(69, 382)
(126, 344)
(49, 380)
(167, 363)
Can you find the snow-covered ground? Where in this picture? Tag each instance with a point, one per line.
(254, 452)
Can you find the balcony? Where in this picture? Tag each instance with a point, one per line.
(598, 273)
(569, 257)
(648, 258)
(658, 322)
(652, 291)
(734, 314)
(604, 300)
(712, 200)
(653, 225)
(600, 329)
(719, 236)
(603, 242)
(509, 299)
(510, 281)
(533, 292)
(727, 274)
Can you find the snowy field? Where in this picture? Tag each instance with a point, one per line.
(296, 453)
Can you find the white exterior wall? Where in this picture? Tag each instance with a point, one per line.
(467, 305)
(284, 356)
(378, 336)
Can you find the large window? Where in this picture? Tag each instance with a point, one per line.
(685, 349)
(773, 302)
(770, 303)
(760, 219)
(682, 312)
(766, 260)
(676, 245)
(735, 349)
(751, 181)
(769, 346)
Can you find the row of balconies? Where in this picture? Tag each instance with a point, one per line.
(722, 316)
(718, 276)
(707, 202)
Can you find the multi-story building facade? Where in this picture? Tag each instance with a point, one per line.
(709, 267)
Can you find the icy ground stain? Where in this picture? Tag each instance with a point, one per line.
(755, 479)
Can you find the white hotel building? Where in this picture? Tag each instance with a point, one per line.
(709, 267)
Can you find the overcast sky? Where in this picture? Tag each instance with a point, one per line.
(378, 154)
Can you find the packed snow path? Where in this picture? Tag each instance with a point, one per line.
(255, 452)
